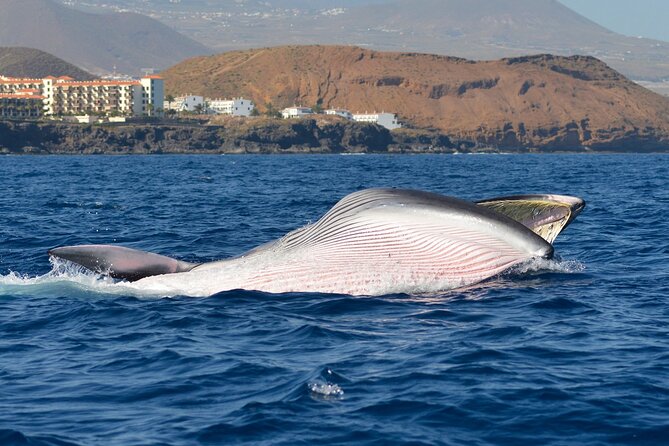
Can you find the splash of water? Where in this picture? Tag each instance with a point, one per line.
(555, 265)
(325, 390)
(64, 277)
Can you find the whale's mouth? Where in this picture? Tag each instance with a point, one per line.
(546, 215)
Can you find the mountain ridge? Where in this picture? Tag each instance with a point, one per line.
(99, 43)
(32, 63)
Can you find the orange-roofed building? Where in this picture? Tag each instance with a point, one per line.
(67, 96)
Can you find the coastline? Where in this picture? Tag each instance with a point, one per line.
(272, 136)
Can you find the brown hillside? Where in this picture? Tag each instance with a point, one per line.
(29, 62)
(539, 100)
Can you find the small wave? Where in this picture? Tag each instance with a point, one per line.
(560, 304)
(15, 437)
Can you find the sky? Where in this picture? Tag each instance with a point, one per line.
(647, 18)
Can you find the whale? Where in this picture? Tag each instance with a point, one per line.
(372, 242)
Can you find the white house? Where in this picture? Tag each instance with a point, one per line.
(296, 112)
(340, 112)
(185, 103)
(234, 107)
(387, 120)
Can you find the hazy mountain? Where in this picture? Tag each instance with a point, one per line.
(523, 101)
(246, 6)
(29, 62)
(486, 29)
(475, 29)
(96, 42)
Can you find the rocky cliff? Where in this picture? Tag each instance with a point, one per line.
(260, 135)
(232, 136)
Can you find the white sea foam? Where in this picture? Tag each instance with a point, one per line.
(65, 277)
(325, 390)
(552, 265)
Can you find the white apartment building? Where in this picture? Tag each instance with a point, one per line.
(340, 112)
(296, 112)
(66, 96)
(387, 120)
(233, 107)
(153, 94)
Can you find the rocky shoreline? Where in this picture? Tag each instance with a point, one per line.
(265, 136)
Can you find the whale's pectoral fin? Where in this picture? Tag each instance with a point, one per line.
(546, 215)
(120, 262)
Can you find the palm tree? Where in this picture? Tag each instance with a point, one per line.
(169, 99)
(318, 108)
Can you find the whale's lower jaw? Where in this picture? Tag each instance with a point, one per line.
(370, 268)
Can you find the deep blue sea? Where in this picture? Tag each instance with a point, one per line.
(575, 352)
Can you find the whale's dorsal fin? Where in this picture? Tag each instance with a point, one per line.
(120, 262)
(546, 215)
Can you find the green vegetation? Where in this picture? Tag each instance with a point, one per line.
(318, 108)
(271, 111)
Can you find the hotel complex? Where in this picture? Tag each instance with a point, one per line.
(59, 96)
(118, 99)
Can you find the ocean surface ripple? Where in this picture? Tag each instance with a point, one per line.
(572, 351)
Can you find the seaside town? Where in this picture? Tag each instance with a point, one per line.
(118, 100)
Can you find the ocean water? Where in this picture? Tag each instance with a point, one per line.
(568, 352)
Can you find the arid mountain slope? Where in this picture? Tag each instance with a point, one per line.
(95, 42)
(29, 62)
(538, 101)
